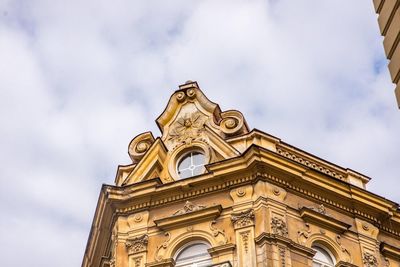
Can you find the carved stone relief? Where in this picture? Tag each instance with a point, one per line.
(347, 256)
(320, 209)
(137, 261)
(218, 234)
(137, 244)
(187, 128)
(303, 235)
(242, 194)
(245, 240)
(282, 255)
(369, 260)
(189, 207)
(162, 247)
(279, 227)
(243, 218)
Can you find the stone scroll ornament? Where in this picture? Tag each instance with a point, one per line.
(139, 146)
(232, 123)
(279, 226)
(243, 218)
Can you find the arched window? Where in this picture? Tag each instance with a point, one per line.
(193, 254)
(322, 258)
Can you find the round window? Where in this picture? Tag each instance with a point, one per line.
(191, 164)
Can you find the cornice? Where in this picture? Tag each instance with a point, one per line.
(304, 158)
(298, 181)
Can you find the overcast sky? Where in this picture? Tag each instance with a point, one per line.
(79, 79)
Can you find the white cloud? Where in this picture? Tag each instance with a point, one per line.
(80, 79)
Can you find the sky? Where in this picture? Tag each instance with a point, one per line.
(80, 79)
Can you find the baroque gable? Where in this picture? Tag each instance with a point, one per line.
(190, 121)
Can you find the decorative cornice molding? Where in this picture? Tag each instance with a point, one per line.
(310, 163)
(260, 174)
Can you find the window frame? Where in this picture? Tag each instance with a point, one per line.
(189, 153)
(318, 246)
(205, 260)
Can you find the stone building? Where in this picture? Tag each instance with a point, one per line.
(389, 24)
(212, 192)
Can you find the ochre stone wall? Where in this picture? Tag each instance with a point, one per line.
(258, 224)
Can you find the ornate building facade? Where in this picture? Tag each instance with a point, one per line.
(389, 24)
(212, 192)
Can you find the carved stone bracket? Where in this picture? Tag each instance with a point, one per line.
(137, 244)
(369, 260)
(278, 226)
(243, 218)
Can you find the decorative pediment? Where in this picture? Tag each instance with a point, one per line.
(189, 214)
(320, 217)
(190, 122)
